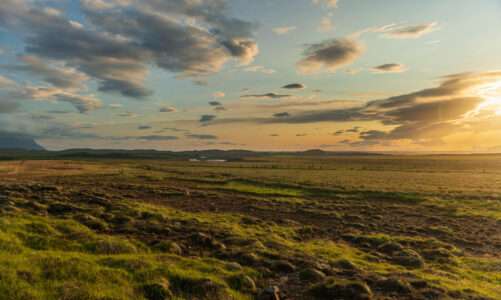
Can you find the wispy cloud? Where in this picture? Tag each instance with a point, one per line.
(328, 3)
(259, 69)
(283, 30)
(326, 24)
(411, 31)
(201, 136)
(389, 68)
(266, 96)
(167, 109)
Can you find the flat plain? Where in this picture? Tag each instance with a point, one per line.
(364, 227)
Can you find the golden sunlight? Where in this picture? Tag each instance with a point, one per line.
(492, 95)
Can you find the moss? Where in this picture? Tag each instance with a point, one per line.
(334, 288)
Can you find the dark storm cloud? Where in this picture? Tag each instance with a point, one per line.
(266, 96)
(330, 55)
(294, 86)
(202, 136)
(123, 38)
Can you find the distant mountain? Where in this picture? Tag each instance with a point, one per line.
(11, 141)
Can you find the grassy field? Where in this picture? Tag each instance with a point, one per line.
(375, 227)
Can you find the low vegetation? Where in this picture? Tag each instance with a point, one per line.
(248, 230)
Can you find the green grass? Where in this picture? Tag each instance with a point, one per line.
(49, 258)
(260, 189)
(98, 252)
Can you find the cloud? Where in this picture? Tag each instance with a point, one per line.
(215, 103)
(424, 115)
(63, 131)
(115, 105)
(167, 109)
(328, 3)
(59, 112)
(173, 129)
(128, 115)
(389, 68)
(157, 138)
(266, 96)
(435, 111)
(82, 103)
(355, 129)
(201, 136)
(281, 115)
(7, 107)
(218, 95)
(6, 82)
(283, 30)
(67, 84)
(207, 118)
(259, 69)
(57, 75)
(330, 55)
(122, 39)
(411, 32)
(306, 104)
(326, 24)
(455, 96)
(294, 86)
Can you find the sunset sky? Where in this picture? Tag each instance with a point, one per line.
(393, 75)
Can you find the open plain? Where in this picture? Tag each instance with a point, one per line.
(368, 227)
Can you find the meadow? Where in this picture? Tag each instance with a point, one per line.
(281, 227)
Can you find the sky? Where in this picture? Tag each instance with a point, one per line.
(345, 75)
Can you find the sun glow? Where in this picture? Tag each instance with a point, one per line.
(492, 95)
